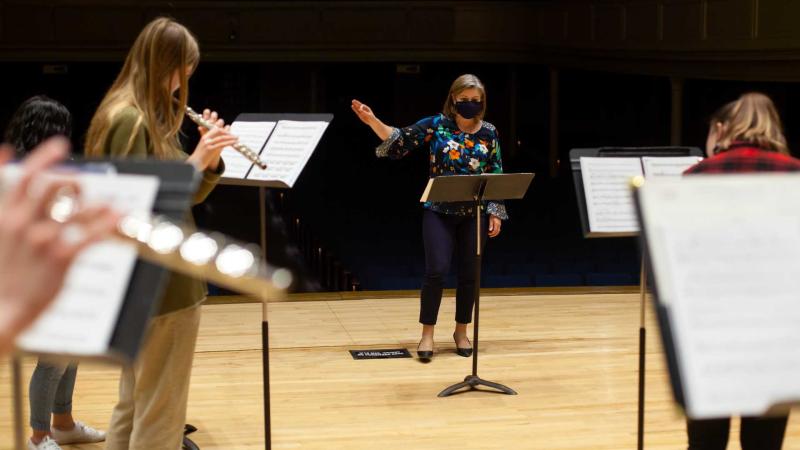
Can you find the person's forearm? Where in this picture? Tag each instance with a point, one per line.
(195, 160)
(381, 129)
(213, 165)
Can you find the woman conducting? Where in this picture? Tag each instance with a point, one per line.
(460, 142)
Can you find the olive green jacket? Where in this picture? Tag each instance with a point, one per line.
(129, 138)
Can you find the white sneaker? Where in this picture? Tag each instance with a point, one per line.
(81, 434)
(46, 444)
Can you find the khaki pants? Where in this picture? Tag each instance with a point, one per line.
(151, 411)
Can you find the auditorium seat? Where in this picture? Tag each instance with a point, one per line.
(609, 279)
(502, 281)
(578, 266)
(395, 283)
(558, 279)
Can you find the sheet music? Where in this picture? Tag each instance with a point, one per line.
(288, 150)
(609, 202)
(726, 259)
(667, 166)
(83, 316)
(251, 134)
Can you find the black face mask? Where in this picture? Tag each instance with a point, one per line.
(469, 109)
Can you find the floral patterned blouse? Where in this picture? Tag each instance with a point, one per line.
(452, 152)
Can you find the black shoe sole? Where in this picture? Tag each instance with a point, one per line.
(465, 352)
(425, 355)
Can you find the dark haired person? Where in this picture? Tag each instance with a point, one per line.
(460, 143)
(745, 136)
(52, 384)
(37, 119)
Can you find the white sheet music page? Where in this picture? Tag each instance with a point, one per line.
(726, 259)
(83, 316)
(609, 203)
(288, 150)
(251, 134)
(669, 166)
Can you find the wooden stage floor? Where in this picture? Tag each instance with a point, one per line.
(572, 358)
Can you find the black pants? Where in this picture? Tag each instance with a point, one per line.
(442, 235)
(757, 433)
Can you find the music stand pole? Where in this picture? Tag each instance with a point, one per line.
(642, 351)
(19, 427)
(262, 197)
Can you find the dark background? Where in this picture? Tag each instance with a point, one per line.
(364, 212)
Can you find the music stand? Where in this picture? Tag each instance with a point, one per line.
(729, 350)
(575, 156)
(279, 182)
(477, 189)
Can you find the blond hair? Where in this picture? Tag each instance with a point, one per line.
(162, 48)
(753, 119)
(462, 83)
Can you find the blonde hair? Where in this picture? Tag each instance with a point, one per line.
(462, 83)
(753, 119)
(162, 48)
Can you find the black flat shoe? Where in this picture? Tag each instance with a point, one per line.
(465, 352)
(424, 355)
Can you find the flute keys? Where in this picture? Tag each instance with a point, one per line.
(135, 228)
(235, 261)
(282, 278)
(246, 151)
(64, 205)
(165, 238)
(199, 249)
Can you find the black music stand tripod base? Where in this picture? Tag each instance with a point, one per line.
(472, 382)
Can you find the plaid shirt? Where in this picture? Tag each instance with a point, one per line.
(742, 158)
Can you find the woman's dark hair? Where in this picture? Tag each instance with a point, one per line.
(37, 119)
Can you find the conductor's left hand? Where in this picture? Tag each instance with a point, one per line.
(494, 226)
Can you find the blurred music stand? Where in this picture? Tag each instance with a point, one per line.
(575, 156)
(178, 182)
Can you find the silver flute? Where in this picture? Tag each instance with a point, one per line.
(212, 256)
(246, 151)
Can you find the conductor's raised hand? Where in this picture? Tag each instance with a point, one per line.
(366, 115)
(363, 112)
